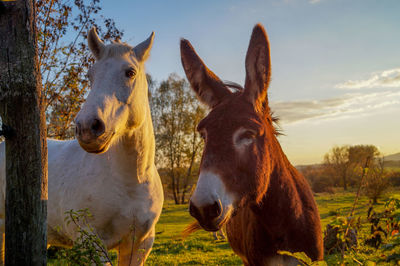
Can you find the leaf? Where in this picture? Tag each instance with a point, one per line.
(319, 263)
(301, 256)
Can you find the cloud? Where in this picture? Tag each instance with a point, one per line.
(314, 1)
(384, 79)
(349, 105)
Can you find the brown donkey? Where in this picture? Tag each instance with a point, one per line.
(246, 181)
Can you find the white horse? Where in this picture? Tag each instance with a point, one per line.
(114, 175)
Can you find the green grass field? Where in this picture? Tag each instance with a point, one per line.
(200, 248)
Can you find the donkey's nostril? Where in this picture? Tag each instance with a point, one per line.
(216, 209)
(194, 212)
(209, 212)
(97, 127)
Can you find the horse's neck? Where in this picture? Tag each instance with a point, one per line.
(136, 150)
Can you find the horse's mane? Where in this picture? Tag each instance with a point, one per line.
(116, 49)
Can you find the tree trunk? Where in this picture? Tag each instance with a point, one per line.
(26, 150)
(173, 186)
(344, 177)
(178, 175)
(188, 174)
(375, 200)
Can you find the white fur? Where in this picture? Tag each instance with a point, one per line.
(120, 187)
(240, 143)
(210, 189)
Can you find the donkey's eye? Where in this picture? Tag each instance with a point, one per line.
(249, 134)
(245, 138)
(202, 135)
(130, 73)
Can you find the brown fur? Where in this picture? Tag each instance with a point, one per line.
(274, 208)
(190, 229)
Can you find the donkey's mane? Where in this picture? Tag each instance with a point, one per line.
(237, 88)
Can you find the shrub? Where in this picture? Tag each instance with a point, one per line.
(87, 249)
(319, 178)
(394, 178)
(376, 181)
(341, 235)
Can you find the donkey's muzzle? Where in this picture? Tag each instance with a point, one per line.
(208, 215)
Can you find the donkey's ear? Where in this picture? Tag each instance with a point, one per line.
(258, 68)
(142, 50)
(208, 87)
(96, 45)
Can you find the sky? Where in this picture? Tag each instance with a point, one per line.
(335, 63)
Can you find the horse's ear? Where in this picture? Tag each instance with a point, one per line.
(258, 68)
(142, 50)
(96, 45)
(208, 87)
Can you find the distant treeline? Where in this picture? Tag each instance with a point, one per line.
(343, 167)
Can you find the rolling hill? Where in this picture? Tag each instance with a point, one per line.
(393, 157)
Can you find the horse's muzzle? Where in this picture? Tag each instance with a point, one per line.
(99, 145)
(87, 132)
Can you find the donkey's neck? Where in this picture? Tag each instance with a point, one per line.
(288, 213)
(285, 188)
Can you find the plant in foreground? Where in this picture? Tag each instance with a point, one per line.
(303, 259)
(88, 249)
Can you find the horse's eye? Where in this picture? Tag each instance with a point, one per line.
(130, 73)
(89, 75)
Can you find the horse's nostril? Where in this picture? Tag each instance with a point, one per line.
(77, 129)
(97, 127)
